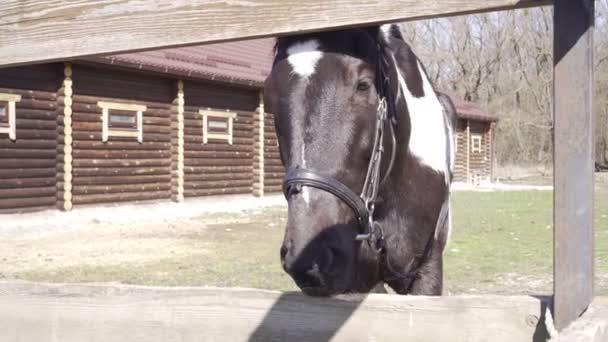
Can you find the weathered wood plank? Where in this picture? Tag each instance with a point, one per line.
(573, 162)
(591, 327)
(35, 312)
(43, 31)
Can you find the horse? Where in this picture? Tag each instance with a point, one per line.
(367, 146)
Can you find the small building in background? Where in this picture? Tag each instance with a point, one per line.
(159, 125)
(473, 142)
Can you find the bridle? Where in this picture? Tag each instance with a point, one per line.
(363, 205)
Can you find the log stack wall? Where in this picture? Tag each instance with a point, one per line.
(479, 163)
(217, 167)
(27, 164)
(121, 169)
(273, 167)
(460, 162)
(34, 169)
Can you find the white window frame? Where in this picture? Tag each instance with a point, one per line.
(227, 115)
(11, 129)
(476, 139)
(108, 131)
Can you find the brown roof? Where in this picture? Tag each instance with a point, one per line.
(246, 62)
(470, 110)
(242, 62)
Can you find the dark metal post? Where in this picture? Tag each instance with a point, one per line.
(573, 159)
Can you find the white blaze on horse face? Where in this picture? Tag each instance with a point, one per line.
(304, 56)
(428, 137)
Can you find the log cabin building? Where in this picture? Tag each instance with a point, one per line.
(473, 142)
(160, 125)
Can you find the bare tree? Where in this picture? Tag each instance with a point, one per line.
(504, 62)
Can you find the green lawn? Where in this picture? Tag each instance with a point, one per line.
(501, 243)
(507, 237)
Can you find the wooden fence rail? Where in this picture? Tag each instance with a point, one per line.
(44, 312)
(43, 31)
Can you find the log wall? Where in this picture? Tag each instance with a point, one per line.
(217, 167)
(34, 170)
(273, 167)
(478, 162)
(121, 169)
(460, 162)
(27, 165)
(481, 162)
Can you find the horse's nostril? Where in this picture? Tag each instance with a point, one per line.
(283, 252)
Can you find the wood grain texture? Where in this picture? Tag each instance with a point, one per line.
(27, 164)
(218, 167)
(35, 312)
(42, 31)
(273, 167)
(574, 159)
(591, 327)
(121, 169)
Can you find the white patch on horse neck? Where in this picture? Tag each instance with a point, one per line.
(304, 56)
(428, 133)
(451, 142)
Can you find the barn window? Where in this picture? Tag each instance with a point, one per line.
(121, 120)
(3, 113)
(7, 114)
(476, 143)
(217, 125)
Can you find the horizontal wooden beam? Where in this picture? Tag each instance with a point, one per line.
(34, 31)
(40, 312)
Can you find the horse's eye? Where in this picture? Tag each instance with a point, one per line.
(363, 85)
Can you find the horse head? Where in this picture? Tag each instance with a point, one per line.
(343, 124)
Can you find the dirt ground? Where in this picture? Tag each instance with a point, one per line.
(241, 249)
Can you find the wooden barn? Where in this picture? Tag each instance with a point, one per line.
(158, 125)
(474, 143)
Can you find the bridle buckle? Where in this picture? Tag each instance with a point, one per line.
(374, 237)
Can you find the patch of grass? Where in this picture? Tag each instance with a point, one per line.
(496, 233)
(501, 242)
(510, 233)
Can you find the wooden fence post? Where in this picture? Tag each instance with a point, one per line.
(64, 138)
(573, 159)
(258, 158)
